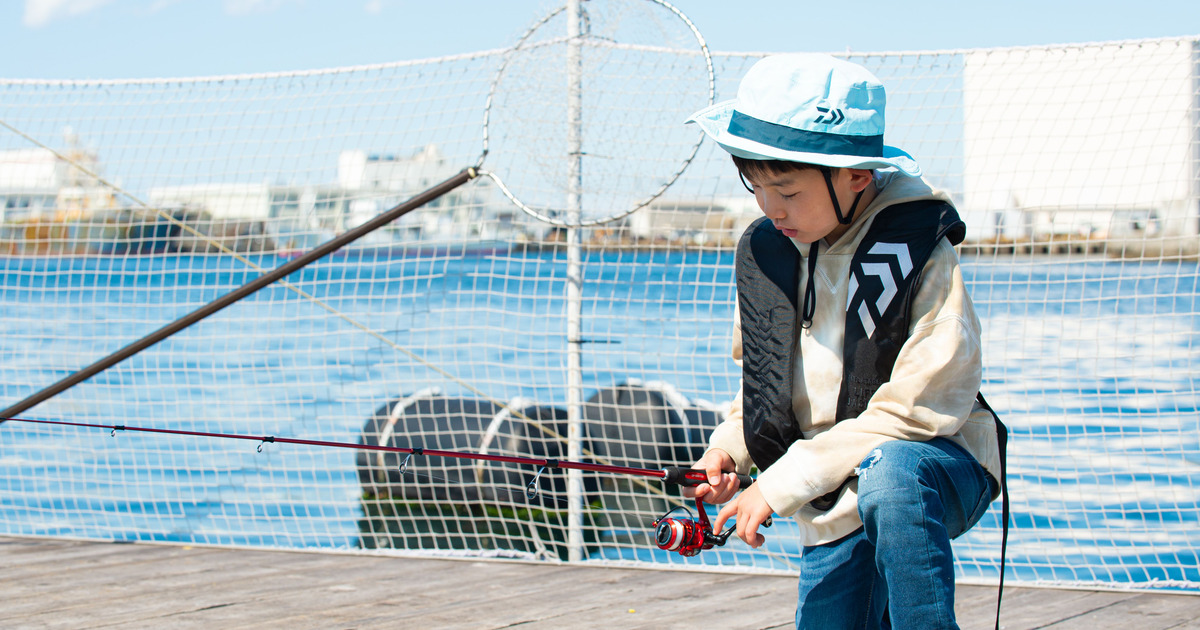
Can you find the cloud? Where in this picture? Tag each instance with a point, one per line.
(159, 5)
(246, 7)
(374, 7)
(39, 13)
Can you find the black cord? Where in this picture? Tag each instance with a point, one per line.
(809, 308)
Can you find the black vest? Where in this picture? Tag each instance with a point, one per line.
(884, 275)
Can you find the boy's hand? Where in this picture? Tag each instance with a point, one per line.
(751, 510)
(722, 481)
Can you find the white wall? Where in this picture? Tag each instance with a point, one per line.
(1102, 127)
(224, 201)
(29, 169)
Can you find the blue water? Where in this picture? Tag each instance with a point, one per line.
(1090, 362)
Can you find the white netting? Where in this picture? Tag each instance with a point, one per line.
(1075, 167)
(586, 129)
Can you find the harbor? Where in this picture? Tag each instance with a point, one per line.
(499, 317)
(50, 206)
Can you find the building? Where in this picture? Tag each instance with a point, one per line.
(718, 221)
(367, 185)
(1095, 139)
(39, 185)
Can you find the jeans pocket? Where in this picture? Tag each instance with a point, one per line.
(985, 501)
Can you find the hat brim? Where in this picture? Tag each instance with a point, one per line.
(714, 121)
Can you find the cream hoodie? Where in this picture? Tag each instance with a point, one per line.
(931, 392)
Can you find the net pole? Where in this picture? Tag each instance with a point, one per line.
(1194, 202)
(574, 282)
(266, 279)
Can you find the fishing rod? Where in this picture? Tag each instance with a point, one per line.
(686, 535)
(266, 279)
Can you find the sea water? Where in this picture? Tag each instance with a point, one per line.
(1090, 362)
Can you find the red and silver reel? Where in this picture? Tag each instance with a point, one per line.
(688, 535)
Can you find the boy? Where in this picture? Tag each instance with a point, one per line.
(859, 349)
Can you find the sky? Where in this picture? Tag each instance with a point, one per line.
(104, 39)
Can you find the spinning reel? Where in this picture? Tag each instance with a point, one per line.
(688, 535)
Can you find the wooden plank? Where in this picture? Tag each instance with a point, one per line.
(28, 558)
(1142, 611)
(1034, 608)
(74, 585)
(138, 577)
(410, 596)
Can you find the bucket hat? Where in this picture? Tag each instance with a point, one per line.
(806, 107)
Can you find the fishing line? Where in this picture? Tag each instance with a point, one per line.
(520, 128)
(269, 277)
(685, 536)
(672, 474)
(511, 495)
(237, 256)
(538, 152)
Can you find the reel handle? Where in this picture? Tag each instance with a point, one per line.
(693, 477)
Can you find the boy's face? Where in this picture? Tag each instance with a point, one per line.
(798, 202)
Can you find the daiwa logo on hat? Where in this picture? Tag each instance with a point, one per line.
(806, 107)
(834, 118)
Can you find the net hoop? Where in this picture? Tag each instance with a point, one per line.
(671, 179)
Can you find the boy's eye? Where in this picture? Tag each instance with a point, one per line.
(789, 196)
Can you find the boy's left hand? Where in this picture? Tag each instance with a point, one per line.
(752, 511)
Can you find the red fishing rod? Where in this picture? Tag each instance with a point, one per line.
(686, 536)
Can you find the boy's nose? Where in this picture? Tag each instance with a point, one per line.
(772, 210)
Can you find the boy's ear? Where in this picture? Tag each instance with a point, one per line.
(859, 177)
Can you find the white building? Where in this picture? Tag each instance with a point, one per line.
(717, 220)
(376, 182)
(221, 201)
(367, 185)
(36, 184)
(1090, 139)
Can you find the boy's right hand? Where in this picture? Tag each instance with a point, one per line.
(722, 480)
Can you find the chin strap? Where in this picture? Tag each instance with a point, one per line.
(837, 207)
(809, 307)
(810, 290)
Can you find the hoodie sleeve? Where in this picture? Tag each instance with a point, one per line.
(931, 393)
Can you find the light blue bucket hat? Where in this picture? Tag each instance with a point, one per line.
(806, 107)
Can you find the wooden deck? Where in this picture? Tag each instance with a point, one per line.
(47, 583)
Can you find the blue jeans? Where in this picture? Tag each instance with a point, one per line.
(898, 570)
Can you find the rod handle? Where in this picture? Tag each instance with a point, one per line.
(694, 477)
